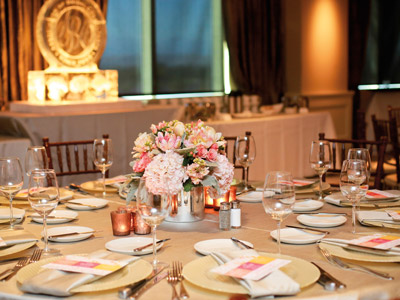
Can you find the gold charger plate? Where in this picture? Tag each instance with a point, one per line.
(314, 188)
(97, 187)
(16, 248)
(64, 195)
(132, 273)
(355, 255)
(198, 273)
(379, 204)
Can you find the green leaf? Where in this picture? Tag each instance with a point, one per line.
(188, 185)
(185, 151)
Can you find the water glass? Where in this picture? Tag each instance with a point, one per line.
(103, 157)
(320, 160)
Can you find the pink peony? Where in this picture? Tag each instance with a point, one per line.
(212, 155)
(168, 141)
(201, 151)
(141, 164)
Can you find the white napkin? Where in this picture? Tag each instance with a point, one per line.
(276, 283)
(375, 215)
(335, 198)
(345, 243)
(60, 283)
(16, 237)
(17, 213)
(254, 196)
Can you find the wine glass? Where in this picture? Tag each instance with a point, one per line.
(278, 198)
(103, 157)
(320, 160)
(35, 159)
(11, 181)
(353, 183)
(363, 154)
(152, 209)
(43, 196)
(245, 153)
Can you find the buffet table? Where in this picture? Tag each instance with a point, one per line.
(256, 226)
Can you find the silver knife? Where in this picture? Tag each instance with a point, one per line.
(127, 291)
(329, 282)
(148, 285)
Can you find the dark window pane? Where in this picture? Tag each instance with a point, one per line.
(124, 45)
(184, 46)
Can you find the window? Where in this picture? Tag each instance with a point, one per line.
(164, 47)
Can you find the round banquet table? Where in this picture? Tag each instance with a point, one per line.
(256, 226)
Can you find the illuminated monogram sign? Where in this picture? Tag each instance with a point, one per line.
(71, 33)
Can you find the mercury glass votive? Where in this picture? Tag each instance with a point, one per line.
(232, 194)
(209, 202)
(224, 198)
(130, 210)
(121, 222)
(140, 226)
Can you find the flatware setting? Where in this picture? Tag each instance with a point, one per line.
(149, 245)
(9, 273)
(241, 243)
(329, 282)
(71, 233)
(308, 229)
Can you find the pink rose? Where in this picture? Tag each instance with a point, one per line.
(141, 164)
(214, 146)
(212, 155)
(201, 151)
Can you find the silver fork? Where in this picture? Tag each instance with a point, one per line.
(177, 265)
(338, 262)
(6, 274)
(173, 280)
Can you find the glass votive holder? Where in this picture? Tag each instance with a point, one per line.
(121, 222)
(217, 202)
(232, 193)
(209, 202)
(130, 210)
(140, 226)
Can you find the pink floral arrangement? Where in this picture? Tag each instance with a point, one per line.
(176, 156)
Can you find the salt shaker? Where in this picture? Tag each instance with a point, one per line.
(225, 216)
(236, 214)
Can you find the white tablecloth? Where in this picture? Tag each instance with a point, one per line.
(282, 142)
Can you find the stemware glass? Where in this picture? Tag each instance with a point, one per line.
(43, 196)
(363, 154)
(103, 157)
(35, 159)
(245, 154)
(11, 181)
(320, 160)
(353, 184)
(152, 209)
(278, 198)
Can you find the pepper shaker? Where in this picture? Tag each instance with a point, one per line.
(225, 216)
(236, 212)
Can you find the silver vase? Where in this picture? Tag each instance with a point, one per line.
(187, 206)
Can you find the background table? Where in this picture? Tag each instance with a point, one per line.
(283, 141)
(256, 226)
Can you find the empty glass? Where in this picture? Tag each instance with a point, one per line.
(320, 160)
(245, 154)
(35, 159)
(278, 198)
(11, 181)
(353, 184)
(43, 196)
(103, 157)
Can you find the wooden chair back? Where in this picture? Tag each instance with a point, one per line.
(230, 150)
(394, 137)
(72, 157)
(340, 148)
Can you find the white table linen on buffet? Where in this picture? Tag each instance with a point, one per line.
(283, 141)
(123, 128)
(256, 227)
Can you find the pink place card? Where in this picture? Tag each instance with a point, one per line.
(371, 194)
(377, 241)
(80, 264)
(251, 267)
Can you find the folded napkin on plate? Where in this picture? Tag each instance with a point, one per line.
(253, 195)
(335, 198)
(276, 283)
(375, 215)
(60, 283)
(11, 238)
(345, 243)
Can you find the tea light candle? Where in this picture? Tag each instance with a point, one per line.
(209, 202)
(140, 226)
(232, 195)
(224, 198)
(130, 210)
(121, 222)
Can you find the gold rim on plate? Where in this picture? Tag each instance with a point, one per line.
(133, 272)
(355, 255)
(16, 248)
(198, 273)
(97, 187)
(313, 189)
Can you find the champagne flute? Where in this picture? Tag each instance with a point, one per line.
(103, 157)
(35, 159)
(43, 196)
(353, 184)
(320, 160)
(278, 198)
(245, 153)
(152, 209)
(11, 181)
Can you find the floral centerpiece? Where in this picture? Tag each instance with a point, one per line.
(177, 156)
